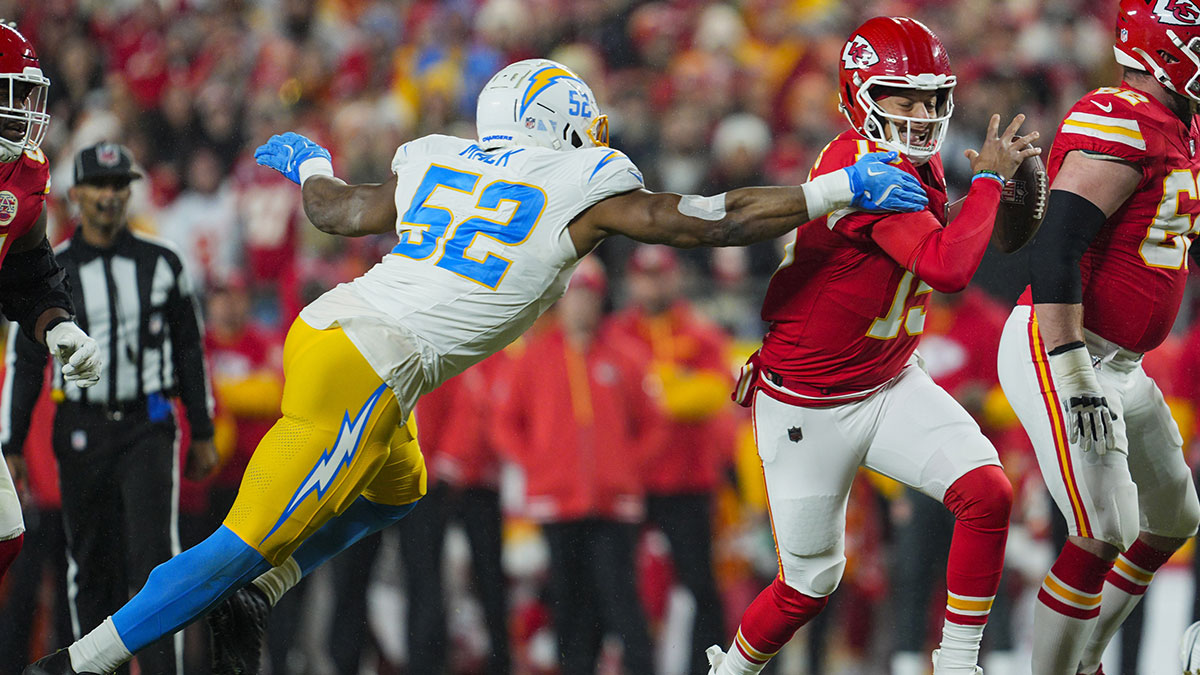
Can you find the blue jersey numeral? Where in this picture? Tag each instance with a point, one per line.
(528, 204)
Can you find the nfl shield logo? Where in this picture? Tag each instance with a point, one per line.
(8, 207)
(108, 154)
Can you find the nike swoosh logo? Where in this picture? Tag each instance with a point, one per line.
(874, 173)
(1105, 107)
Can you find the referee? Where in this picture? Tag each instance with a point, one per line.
(116, 442)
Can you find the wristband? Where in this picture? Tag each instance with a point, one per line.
(989, 174)
(827, 193)
(52, 323)
(314, 166)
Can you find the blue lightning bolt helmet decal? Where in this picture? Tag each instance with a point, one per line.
(333, 459)
(540, 81)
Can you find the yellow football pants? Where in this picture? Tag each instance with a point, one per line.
(340, 436)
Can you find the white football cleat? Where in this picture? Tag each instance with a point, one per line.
(936, 652)
(716, 657)
(1189, 650)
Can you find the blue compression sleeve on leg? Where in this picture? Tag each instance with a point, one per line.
(186, 586)
(364, 517)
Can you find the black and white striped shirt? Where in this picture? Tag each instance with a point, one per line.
(136, 300)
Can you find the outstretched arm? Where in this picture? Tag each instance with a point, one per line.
(747, 215)
(337, 207)
(331, 204)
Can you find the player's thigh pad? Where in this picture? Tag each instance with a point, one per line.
(809, 459)
(401, 479)
(1166, 493)
(11, 521)
(1094, 492)
(337, 425)
(924, 438)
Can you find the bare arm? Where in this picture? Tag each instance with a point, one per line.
(347, 210)
(750, 215)
(1106, 184)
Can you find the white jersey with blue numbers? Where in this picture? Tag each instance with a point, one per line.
(483, 252)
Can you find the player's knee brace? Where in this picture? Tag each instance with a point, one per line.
(981, 498)
(816, 576)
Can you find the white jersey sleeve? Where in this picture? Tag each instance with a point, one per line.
(609, 172)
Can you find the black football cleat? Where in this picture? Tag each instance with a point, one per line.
(237, 626)
(58, 663)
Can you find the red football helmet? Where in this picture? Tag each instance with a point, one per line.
(20, 74)
(901, 53)
(1161, 37)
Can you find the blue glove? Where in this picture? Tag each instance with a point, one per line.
(879, 186)
(286, 152)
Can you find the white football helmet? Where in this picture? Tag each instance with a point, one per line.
(539, 102)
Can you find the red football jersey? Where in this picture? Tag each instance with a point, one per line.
(844, 316)
(1135, 269)
(24, 185)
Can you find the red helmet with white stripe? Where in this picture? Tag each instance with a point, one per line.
(23, 90)
(1161, 37)
(897, 53)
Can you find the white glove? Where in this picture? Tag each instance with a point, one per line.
(77, 352)
(1088, 416)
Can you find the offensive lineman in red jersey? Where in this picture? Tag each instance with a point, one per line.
(1107, 276)
(32, 286)
(836, 385)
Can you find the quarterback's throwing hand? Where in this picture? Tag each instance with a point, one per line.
(77, 352)
(879, 186)
(294, 156)
(1088, 417)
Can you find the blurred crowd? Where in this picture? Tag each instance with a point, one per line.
(704, 97)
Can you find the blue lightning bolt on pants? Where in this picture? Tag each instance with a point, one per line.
(342, 446)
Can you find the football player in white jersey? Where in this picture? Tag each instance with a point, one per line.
(489, 233)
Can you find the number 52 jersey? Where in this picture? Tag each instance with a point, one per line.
(483, 251)
(1135, 269)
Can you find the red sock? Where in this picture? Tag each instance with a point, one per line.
(1073, 586)
(1135, 568)
(8, 552)
(980, 501)
(773, 618)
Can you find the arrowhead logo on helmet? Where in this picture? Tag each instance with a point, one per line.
(859, 54)
(1177, 12)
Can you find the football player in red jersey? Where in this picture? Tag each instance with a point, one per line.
(836, 385)
(1107, 276)
(32, 286)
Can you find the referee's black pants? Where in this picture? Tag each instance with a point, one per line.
(120, 492)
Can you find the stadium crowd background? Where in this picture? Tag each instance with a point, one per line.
(703, 96)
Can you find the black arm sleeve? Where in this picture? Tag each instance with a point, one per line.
(183, 318)
(32, 282)
(25, 371)
(1070, 225)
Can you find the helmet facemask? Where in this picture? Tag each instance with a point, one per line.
(896, 132)
(23, 102)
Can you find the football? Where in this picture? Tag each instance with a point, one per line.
(1022, 206)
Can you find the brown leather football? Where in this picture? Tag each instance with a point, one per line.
(1022, 206)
